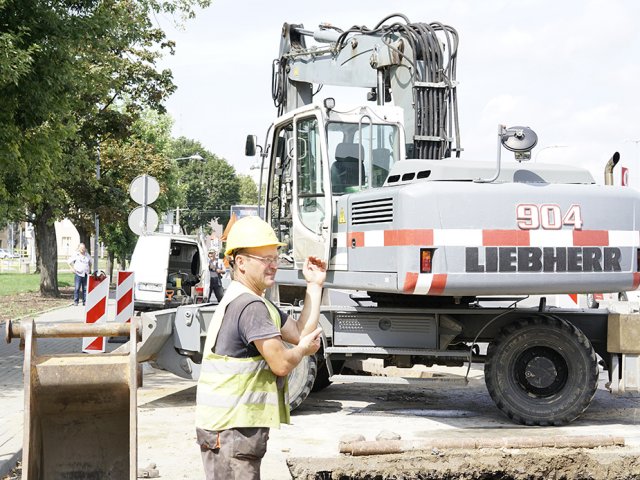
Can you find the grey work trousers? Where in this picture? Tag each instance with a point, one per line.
(232, 454)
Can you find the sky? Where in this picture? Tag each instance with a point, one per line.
(568, 69)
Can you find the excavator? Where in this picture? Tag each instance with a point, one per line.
(430, 253)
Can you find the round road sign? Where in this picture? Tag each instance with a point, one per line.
(137, 189)
(137, 223)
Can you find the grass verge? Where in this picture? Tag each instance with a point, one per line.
(12, 283)
(20, 294)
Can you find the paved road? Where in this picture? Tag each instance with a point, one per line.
(166, 435)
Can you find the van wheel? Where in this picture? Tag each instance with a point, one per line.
(541, 371)
(301, 381)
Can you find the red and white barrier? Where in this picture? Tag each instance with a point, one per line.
(96, 311)
(124, 297)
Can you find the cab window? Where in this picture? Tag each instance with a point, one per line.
(309, 173)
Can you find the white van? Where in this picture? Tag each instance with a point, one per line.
(169, 270)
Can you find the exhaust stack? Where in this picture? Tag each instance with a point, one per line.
(608, 169)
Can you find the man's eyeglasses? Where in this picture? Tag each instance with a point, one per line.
(266, 261)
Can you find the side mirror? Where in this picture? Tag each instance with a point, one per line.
(520, 141)
(250, 146)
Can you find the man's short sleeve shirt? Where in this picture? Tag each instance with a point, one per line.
(246, 319)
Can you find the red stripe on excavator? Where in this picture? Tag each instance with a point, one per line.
(504, 238)
(590, 238)
(358, 237)
(395, 238)
(636, 281)
(438, 284)
(410, 281)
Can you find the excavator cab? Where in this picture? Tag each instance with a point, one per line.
(363, 153)
(317, 155)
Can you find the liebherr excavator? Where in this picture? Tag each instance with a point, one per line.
(428, 238)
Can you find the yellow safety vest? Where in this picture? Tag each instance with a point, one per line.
(238, 392)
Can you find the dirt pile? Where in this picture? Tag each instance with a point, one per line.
(503, 464)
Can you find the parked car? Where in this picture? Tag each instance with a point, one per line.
(7, 254)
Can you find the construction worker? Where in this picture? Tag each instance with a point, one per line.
(242, 389)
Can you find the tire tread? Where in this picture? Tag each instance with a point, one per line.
(552, 322)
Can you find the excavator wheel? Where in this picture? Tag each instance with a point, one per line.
(301, 381)
(541, 371)
(322, 378)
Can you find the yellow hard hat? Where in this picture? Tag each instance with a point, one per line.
(251, 232)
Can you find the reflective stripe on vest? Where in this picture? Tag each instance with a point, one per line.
(238, 392)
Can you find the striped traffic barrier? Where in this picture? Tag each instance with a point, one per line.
(96, 311)
(124, 297)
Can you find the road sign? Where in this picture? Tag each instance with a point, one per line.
(96, 311)
(124, 297)
(144, 189)
(143, 220)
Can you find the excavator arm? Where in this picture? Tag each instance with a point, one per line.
(412, 65)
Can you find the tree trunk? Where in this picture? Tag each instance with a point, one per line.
(122, 263)
(37, 271)
(85, 237)
(110, 261)
(47, 249)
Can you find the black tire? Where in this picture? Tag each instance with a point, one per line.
(541, 371)
(301, 381)
(322, 377)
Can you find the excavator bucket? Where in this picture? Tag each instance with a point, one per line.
(80, 417)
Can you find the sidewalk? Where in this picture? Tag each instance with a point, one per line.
(11, 380)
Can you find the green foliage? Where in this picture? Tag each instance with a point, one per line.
(210, 187)
(204, 189)
(119, 239)
(64, 66)
(75, 75)
(248, 190)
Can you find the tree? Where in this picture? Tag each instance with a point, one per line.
(205, 189)
(123, 161)
(248, 190)
(64, 68)
(144, 152)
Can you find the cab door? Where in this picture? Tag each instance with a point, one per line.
(312, 190)
(298, 196)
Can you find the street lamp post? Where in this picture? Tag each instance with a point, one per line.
(195, 156)
(548, 147)
(262, 167)
(96, 242)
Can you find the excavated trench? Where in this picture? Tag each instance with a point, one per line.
(501, 464)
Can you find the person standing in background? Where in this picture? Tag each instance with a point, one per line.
(215, 242)
(81, 263)
(216, 270)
